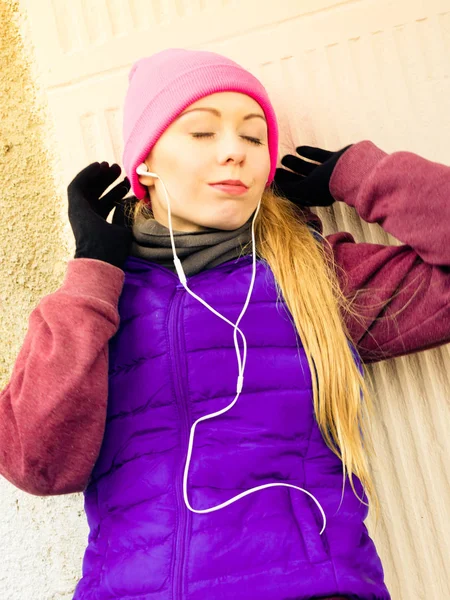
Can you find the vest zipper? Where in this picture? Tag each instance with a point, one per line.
(184, 518)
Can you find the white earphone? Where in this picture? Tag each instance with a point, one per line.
(142, 169)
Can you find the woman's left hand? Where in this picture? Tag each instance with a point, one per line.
(307, 184)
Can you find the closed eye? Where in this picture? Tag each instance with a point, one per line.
(253, 140)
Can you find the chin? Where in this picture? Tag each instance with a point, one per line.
(228, 222)
(228, 225)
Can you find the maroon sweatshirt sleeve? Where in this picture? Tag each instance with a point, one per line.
(403, 292)
(53, 410)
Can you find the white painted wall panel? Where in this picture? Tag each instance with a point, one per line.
(337, 72)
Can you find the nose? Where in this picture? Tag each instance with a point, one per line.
(231, 148)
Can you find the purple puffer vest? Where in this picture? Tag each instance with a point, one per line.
(171, 362)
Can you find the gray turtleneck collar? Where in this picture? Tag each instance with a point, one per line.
(197, 251)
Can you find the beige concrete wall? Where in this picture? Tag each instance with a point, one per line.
(338, 72)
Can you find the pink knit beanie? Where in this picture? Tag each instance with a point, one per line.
(161, 86)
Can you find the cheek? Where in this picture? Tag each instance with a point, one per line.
(179, 173)
(187, 167)
(188, 186)
(263, 168)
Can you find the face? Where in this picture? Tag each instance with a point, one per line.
(221, 136)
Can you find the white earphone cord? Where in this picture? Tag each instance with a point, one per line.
(241, 367)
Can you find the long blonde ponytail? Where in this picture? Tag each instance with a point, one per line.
(306, 276)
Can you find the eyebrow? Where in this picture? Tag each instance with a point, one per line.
(218, 114)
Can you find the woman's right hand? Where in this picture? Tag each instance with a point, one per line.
(94, 236)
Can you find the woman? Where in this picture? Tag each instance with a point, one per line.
(176, 386)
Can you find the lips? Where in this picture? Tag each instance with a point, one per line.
(228, 189)
(235, 182)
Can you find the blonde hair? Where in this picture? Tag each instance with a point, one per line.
(306, 278)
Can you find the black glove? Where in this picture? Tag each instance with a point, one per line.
(94, 236)
(309, 184)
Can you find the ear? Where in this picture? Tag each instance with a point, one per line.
(146, 180)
